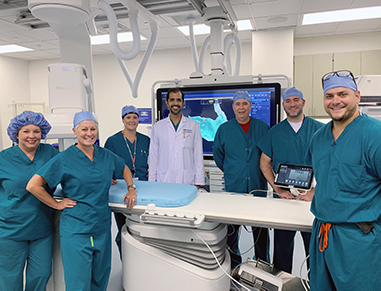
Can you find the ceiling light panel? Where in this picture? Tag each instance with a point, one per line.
(342, 15)
(13, 48)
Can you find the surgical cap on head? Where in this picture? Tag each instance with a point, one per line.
(82, 116)
(293, 91)
(129, 109)
(343, 80)
(26, 118)
(241, 95)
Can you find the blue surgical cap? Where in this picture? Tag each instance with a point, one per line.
(293, 91)
(241, 95)
(129, 109)
(344, 80)
(26, 118)
(82, 116)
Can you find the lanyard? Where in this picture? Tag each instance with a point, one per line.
(134, 156)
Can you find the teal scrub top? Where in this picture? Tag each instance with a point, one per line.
(88, 183)
(283, 145)
(22, 215)
(117, 144)
(348, 172)
(237, 155)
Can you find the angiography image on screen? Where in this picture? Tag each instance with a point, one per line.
(209, 126)
(212, 106)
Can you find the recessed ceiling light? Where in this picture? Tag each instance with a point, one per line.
(277, 19)
(13, 48)
(342, 15)
(244, 25)
(198, 29)
(205, 29)
(105, 38)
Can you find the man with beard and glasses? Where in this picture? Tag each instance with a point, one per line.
(346, 156)
(287, 142)
(176, 154)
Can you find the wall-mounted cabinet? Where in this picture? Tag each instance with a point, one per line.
(309, 69)
(371, 63)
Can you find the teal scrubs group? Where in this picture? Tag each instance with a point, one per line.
(348, 191)
(26, 227)
(117, 144)
(237, 155)
(283, 145)
(85, 229)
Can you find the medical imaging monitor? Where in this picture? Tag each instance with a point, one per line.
(211, 106)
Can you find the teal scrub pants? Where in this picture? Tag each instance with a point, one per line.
(86, 261)
(284, 248)
(351, 260)
(14, 254)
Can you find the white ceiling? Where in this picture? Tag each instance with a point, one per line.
(18, 26)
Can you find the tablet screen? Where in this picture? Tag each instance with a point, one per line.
(294, 176)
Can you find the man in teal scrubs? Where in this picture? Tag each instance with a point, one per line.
(236, 153)
(345, 245)
(287, 142)
(85, 172)
(26, 227)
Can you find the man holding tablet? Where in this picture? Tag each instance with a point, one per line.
(287, 142)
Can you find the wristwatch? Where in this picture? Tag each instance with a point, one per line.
(131, 186)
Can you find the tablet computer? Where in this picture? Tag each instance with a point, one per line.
(294, 176)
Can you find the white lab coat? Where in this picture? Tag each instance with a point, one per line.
(176, 156)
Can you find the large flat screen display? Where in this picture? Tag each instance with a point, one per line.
(211, 106)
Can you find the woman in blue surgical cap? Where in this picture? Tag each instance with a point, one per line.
(84, 171)
(133, 147)
(26, 227)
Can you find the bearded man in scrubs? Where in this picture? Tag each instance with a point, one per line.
(287, 142)
(85, 172)
(26, 226)
(236, 154)
(175, 152)
(345, 245)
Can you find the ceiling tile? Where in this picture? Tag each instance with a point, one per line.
(267, 15)
(310, 6)
(6, 26)
(359, 26)
(15, 37)
(263, 23)
(316, 30)
(40, 34)
(38, 45)
(366, 3)
(271, 8)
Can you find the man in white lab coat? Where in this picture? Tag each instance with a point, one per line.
(175, 153)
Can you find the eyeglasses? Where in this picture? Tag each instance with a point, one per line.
(340, 73)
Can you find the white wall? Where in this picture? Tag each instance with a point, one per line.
(273, 52)
(14, 87)
(338, 44)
